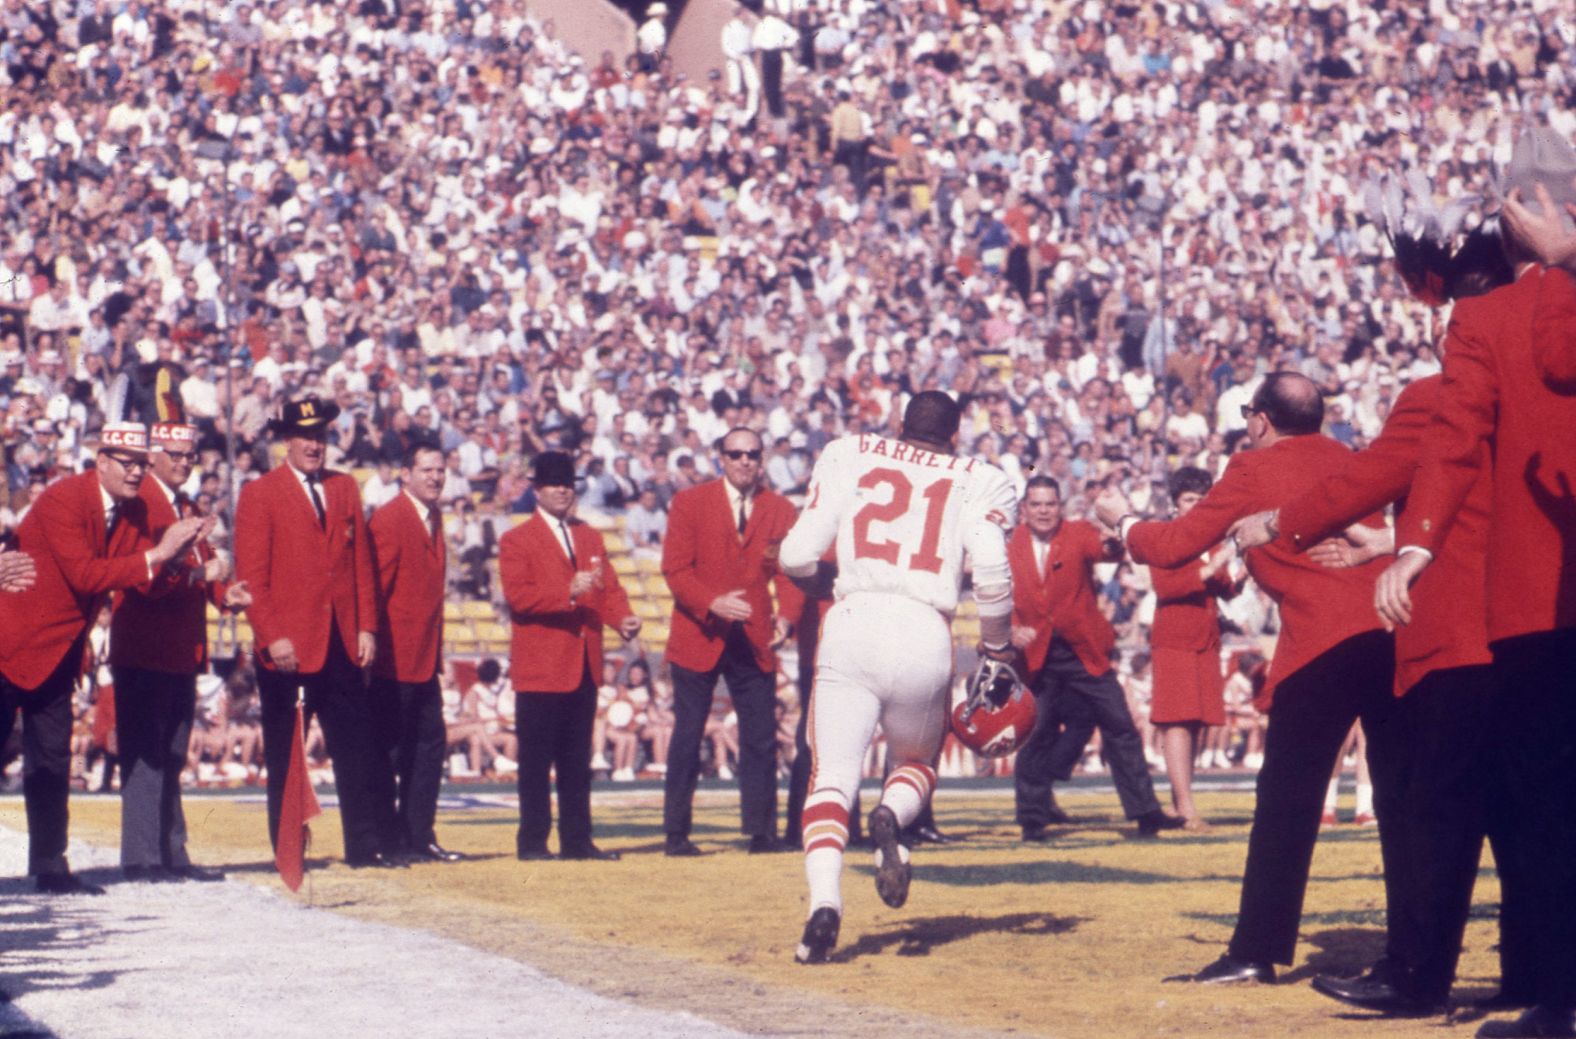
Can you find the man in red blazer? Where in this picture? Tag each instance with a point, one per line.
(301, 546)
(1507, 382)
(1442, 670)
(561, 592)
(158, 643)
(719, 558)
(1333, 664)
(84, 537)
(410, 555)
(1066, 642)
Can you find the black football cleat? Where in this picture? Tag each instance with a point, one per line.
(894, 872)
(820, 936)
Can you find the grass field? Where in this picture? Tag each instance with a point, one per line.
(1070, 939)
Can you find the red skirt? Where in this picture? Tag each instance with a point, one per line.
(1189, 686)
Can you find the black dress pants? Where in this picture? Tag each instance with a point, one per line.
(407, 718)
(153, 723)
(338, 697)
(555, 733)
(46, 759)
(754, 694)
(1447, 721)
(1313, 711)
(1535, 745)
(1065, 691)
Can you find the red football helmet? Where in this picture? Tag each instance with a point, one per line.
(998, 714)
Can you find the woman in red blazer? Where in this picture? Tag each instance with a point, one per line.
(1189, 686)
(561, 591)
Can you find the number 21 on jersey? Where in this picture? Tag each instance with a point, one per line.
(892, 512)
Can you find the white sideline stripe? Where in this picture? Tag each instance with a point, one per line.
(199, 960)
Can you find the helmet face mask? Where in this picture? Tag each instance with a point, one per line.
(998, 715)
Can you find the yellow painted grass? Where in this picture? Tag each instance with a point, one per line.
(1070, 939)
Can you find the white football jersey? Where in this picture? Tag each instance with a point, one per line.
(902, 518)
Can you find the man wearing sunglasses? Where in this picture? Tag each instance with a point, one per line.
(1333, 665)
(719, 557)
(158, 643)
(88, 536)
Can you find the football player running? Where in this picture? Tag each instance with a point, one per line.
(903, 513)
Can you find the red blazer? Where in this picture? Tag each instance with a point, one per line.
(410, 568)
(555, 641)
(304, 578)
(1505, 353)
(1185, 613)
(164, 627)
(64, 533)
(1448, 626)
(1319, 606)
(1063, 602)
(703, 557)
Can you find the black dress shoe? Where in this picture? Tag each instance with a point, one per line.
(927, 835)
(1152, 822)
(1035, 835)
(200, 874)
(1541, 1022)
(436, 852)
(377, 860)
(680, 847)
(1057, 817)
(150, 875)
(590, 853)
(1368, 993)
(535, 855)
(66, 884)
(1229, 969)
(766, 844)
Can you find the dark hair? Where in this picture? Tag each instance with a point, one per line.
(1041, 480)
(489, 670)
(1189, 479)
(1291, 403)
(931, 416)
(415, 450)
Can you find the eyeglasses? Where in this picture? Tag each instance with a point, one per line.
(128, 463)
(182, 456)
(734, 456)
(1248, 410)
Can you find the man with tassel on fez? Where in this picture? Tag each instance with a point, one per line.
(1443, 673)
(88, 535)
(303, 550)
(1507, 414)
(158, 643)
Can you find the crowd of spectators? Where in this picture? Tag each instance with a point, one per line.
(1098, 223)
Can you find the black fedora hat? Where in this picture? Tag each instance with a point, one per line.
(553, 469)
(305, 415)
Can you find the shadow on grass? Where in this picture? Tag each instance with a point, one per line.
(917, 937)
(1054, 871)
(1340, 951)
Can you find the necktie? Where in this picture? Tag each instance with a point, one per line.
(742, 500)
(569, 545)
(111, 518)
(183, 505)
(317, 502)
(435, 525)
